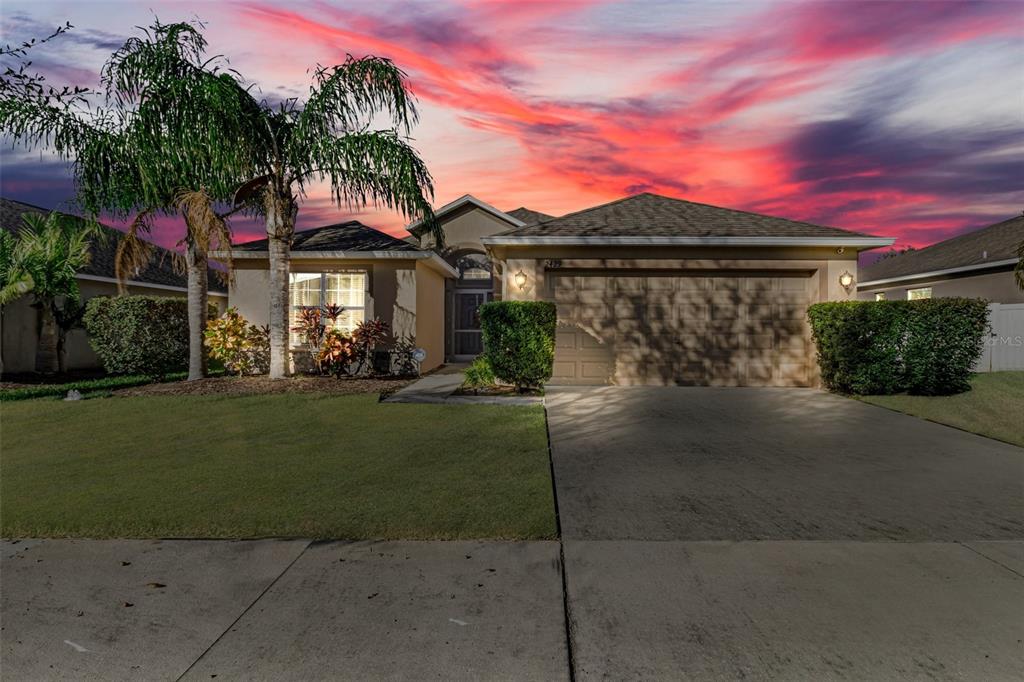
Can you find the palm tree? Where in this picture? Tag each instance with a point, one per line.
(328, 138)
(181, 122)
(47, 257)
(165, 143)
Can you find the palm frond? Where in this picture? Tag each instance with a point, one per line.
(15, 280)
(133, 253)
(207, 229)
(52, 249)
(345, 97)
(376, 168)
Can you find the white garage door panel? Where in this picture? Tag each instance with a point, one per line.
(663, 330)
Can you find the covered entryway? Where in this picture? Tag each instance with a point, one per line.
(718, 328)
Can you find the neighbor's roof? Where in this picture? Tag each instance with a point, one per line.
(527, 216)
(654, 219)
(347, 236)
(160, 271)
(992, 246)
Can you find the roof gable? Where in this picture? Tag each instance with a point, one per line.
(653, 215)
(466, 201)
(993, 245)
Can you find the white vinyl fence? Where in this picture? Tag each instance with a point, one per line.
(1004, 347)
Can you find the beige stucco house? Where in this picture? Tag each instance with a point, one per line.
(978, 264)
(649, 290)
(653, 290)
(369, 273)
(19, 325)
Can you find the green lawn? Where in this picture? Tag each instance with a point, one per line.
(993, 407)
(276, 465)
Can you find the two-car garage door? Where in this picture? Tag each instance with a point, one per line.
(655, 328)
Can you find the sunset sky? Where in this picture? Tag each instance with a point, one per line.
(895, 118)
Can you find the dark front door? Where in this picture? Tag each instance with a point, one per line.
(466, 335)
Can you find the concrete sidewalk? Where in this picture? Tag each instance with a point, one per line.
(283, 610)
(799, 610)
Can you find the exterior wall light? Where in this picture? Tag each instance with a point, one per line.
(846, 281)
(520, 279)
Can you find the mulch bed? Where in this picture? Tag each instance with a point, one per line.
(263, 386)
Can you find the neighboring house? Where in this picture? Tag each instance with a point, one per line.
(978, 264)
(20, 330)
(650, 290)
(369, 273)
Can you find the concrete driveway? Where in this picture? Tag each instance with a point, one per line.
(784, 534)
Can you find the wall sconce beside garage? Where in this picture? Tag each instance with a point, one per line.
(846, 281)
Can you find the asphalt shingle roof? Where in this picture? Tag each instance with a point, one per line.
(528, 216)
(159, 271)
(348, 236)
(653, 215)
(993, 243)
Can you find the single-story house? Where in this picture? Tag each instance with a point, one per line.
(649, 289)
(20, 323)
(978, 264)
(370, 273)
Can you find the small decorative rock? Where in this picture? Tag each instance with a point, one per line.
(74, 394)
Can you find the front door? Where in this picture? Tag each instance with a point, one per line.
(467, 338)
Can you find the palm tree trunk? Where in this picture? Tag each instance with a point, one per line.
(279, 258)
(280, 213)
(196, 267)
(47, 360)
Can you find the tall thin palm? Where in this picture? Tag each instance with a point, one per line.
(50, 251)
(329, 138)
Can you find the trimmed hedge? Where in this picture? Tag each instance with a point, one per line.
(91, 387)
(925, 347)
(519, 341)
(139, 334)
(84, 386)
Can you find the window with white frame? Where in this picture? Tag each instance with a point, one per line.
(880, 296)
(316, 289)
(918, 294)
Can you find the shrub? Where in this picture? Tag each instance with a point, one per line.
(860, 345)
(479, 375)
(243, 348)
(139, 334)
(367, 336)
(519, 340)
(879, 347)
(337, 353)
(944, 341)
(313, 325)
